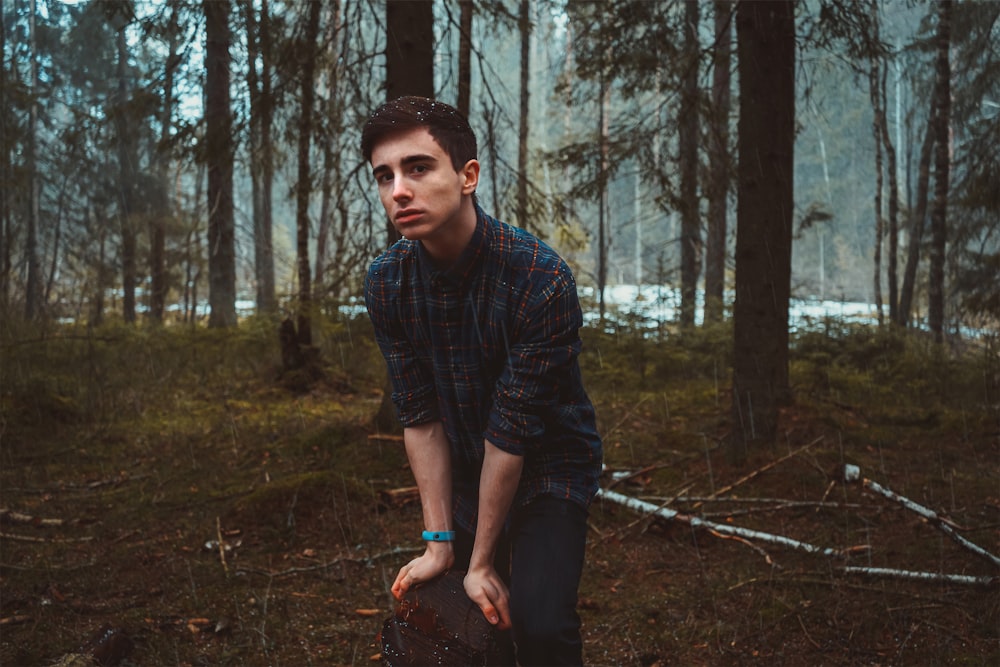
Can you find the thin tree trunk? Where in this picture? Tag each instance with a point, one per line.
(719, 168)
(409, 57)
(687, 140)
(157, 236)
(6, 239)
(219, 141)
(893, 222)
(56, 239)
(603, 224)
(766, 135)
(939, 215)
(303, 188)
(467, 9)
(877, 121)
(97, 306)
(126, 183)
(524, 23)
(261, 152)
(33, 288)
(918, 215)
(331, 162)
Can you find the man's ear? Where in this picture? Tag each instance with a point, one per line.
(470, 177)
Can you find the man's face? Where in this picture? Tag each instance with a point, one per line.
(422, 193)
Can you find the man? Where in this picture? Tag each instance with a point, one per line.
(478, 322)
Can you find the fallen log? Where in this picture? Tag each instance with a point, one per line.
(934, 577)
(437, 624)
(721, 528)
(852, 473)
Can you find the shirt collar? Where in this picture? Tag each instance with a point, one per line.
(461, 271)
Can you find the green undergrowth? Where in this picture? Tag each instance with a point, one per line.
(224, 516)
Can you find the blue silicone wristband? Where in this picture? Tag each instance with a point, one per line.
(438, 535)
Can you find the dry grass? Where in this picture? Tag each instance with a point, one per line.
(152, 446)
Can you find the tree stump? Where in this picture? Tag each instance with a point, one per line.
(437, 624)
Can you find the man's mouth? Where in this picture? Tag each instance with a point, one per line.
(408, 215)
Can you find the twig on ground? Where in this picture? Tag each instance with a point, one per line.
(642, 518)
(747, 543)
(15, 620)
(13, 516)
(746, 478)
(806, 633)
(222, 545)
(28, 538)
(628, 413)
(367, 561)
(791, 504)
(852, 473)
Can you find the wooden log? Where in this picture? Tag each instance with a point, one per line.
(437, 624)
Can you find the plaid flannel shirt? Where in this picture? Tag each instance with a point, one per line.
(489, 347)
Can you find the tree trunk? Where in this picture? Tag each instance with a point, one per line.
(127, 159)
(878, 118)
(261, 160)
(939, 214)
(6, 228)
(603, 224)
(219, 151)
(409, 70)
(331, 159)
(718, 185)
(893, 222)
(33, 288)
(524, 25)
(687, 144)
(918, 214)
(409, 57)
(467, 9)
(303, 188)
(158, 222)
(766, 133)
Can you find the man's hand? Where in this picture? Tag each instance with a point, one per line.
(438, 557)
(486, 589)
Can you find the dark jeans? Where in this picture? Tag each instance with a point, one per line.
(540, 555)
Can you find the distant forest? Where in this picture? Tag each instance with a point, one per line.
(160, 155)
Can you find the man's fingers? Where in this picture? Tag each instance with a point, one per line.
(402, 583)
(490, 613)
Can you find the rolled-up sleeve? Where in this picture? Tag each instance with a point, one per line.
(542, 348)
(413, 392)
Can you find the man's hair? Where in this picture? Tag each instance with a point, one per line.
(447, 126)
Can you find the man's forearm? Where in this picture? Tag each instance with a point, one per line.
(430, 460)
(497, 486)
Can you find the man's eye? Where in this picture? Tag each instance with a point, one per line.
(383, 178)
(419, 168)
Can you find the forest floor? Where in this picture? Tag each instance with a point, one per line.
(176, 500)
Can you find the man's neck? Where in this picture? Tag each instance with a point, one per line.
(446, 250)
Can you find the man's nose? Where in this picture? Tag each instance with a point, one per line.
(401, 189)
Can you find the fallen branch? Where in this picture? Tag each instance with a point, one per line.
(746, 478)
(725, 529)
(367, 561)
(28, 538)
(789, 505)
(934, 577)
(15, 620)
(13, 516)
(852, 473)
